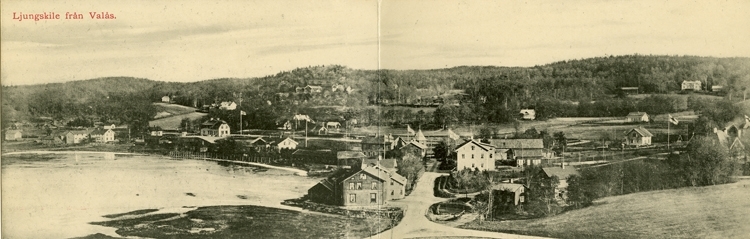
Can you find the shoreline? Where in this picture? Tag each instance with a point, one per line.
(296, 171)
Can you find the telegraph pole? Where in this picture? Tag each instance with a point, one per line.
(239, 99)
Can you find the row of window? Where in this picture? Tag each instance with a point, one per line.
(463, 156)
(373, 198)
(358, 186)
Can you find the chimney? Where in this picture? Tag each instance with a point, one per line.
(511, 180)
(380, 157)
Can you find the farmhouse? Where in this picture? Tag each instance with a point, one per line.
(13, 135)
(528, 114)
(562, 174)
(475, 155)
(76, 137)
(369, 186)
(691, 85)
(103, 136)
(637, 137)
(525, 152)
(637, 117)
(350, 159)
(215, 127)
(509, 193)
(415, 147)
(333, 124)
(287, 143)
(732, 137)
(165, 99)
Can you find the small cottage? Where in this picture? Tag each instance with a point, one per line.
(636, 117)
(13, 135)
(638, 137)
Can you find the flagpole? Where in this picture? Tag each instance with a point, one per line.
(669, 121)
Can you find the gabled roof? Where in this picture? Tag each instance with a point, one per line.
(385, 163)
(517, 143)
(636, 114)
(213, 124)
(78, 132)
(420, 136)
(417, 144)
(485, 147)
(382, 139)
(349, 154)
(314, 87)
(641, 131)
(285, 139)
(100, 131)
(209, 139)
(513, 187)
(13, 131)
(561, 173)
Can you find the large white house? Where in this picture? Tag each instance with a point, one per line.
(103, 136)
(637, 117)
(475, 155)
(215, 127)
(691, 85)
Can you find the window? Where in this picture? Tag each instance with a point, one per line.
(352, 197)
(362, 176)
(351, 185)
(373, 197)
(374, 185)
(463, 156)
(481, 156)
(402, 192)
(490, 155)
(472, 155)
(391, 183)
(472, 147)
(472, 165)
(359, 186)
(482, 165)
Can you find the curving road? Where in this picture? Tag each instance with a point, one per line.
(415, 224)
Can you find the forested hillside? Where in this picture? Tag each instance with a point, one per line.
(467, 93)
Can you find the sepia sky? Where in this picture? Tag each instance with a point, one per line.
(198, 40)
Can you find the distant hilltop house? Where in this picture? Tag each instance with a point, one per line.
(716, 88)
(333, 124)
(475, 155)
(637, 137)
(629, 90)
(227, 105)
(313, 89)
(528, 114)
(13, 135)
(112, 126)
(165, 99)
(103, 136)
(215, 128)
(637, 117)
(691, 85)
(363, 186)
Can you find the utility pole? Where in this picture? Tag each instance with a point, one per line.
(239, 99)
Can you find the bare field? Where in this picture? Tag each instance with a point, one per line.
(173, 122)
(700, 212)
(166, 110)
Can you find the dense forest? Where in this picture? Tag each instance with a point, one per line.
(586, 87)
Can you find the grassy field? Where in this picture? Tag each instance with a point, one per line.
(244, 222)
(173, 122)
(166, 110)
(721, 211)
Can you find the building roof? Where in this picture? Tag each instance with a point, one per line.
(314, 87)
(285, 139)
(385, 163)
(420, 136)
(641, 131)
(513, 187)
(486, 147)
(314, 153)
(100, 131)
(417, 144)
(561, 173)
(209, 139)
(349, 154)
(636, 114)
(212, 124)
(13, 131)
(517, 143)
(382, 139)
(78, 132)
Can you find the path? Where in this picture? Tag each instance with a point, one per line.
(298, 172)
(415, 224)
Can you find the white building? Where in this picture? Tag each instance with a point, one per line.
(215, 127)
(287, 143)
(637, 117)
(228, 105)
(638, 137)
(528, 114)
(691, 85)
(475, 155)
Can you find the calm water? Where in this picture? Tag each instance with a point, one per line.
(59, 197)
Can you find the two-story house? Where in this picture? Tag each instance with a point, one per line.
(638, 137)
(475, 155)
(691, 85)
(360, 187)
(215, 128)
(103, 135)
